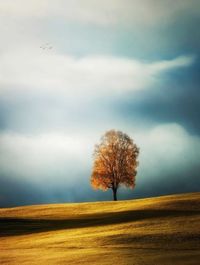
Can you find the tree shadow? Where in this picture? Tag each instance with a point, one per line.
(10, 226)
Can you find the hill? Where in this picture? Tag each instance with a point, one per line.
(162, 230)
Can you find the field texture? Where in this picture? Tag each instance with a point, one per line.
(162, 230)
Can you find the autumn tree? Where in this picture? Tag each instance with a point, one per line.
(115, 162)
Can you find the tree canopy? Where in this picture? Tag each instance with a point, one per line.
(115, 162)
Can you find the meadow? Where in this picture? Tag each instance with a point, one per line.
(162, 230)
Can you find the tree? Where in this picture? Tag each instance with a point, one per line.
(115, 162)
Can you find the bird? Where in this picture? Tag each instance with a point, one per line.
(46, 46)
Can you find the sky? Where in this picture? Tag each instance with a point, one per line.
(71, 70)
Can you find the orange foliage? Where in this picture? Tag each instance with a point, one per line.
(115, 162)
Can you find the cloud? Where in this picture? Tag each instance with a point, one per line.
(169, 155)
(103, 13)
(41, 157)
(54, 103)
(44, 71)
(15, 192)
(169, 161)
(165, 65)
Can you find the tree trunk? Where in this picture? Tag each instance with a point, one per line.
(115, 194)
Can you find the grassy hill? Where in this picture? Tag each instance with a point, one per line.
(162, 230)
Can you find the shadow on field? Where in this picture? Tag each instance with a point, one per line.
(20, 226)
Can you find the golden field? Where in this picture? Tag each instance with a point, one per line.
(162, 230)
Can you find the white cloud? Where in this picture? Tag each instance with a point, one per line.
(167, 149)
(181, 61)
(46, 71)
(56, 157)
(125, 13)
(26, 67)
(43, 157)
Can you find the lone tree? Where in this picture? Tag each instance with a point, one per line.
(115, 162)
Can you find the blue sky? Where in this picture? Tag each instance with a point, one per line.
(127, 65)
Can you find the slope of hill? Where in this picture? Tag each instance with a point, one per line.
(163, 230)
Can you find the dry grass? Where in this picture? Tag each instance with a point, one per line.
(163, 230)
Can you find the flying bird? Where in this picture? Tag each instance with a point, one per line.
(46, 46)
